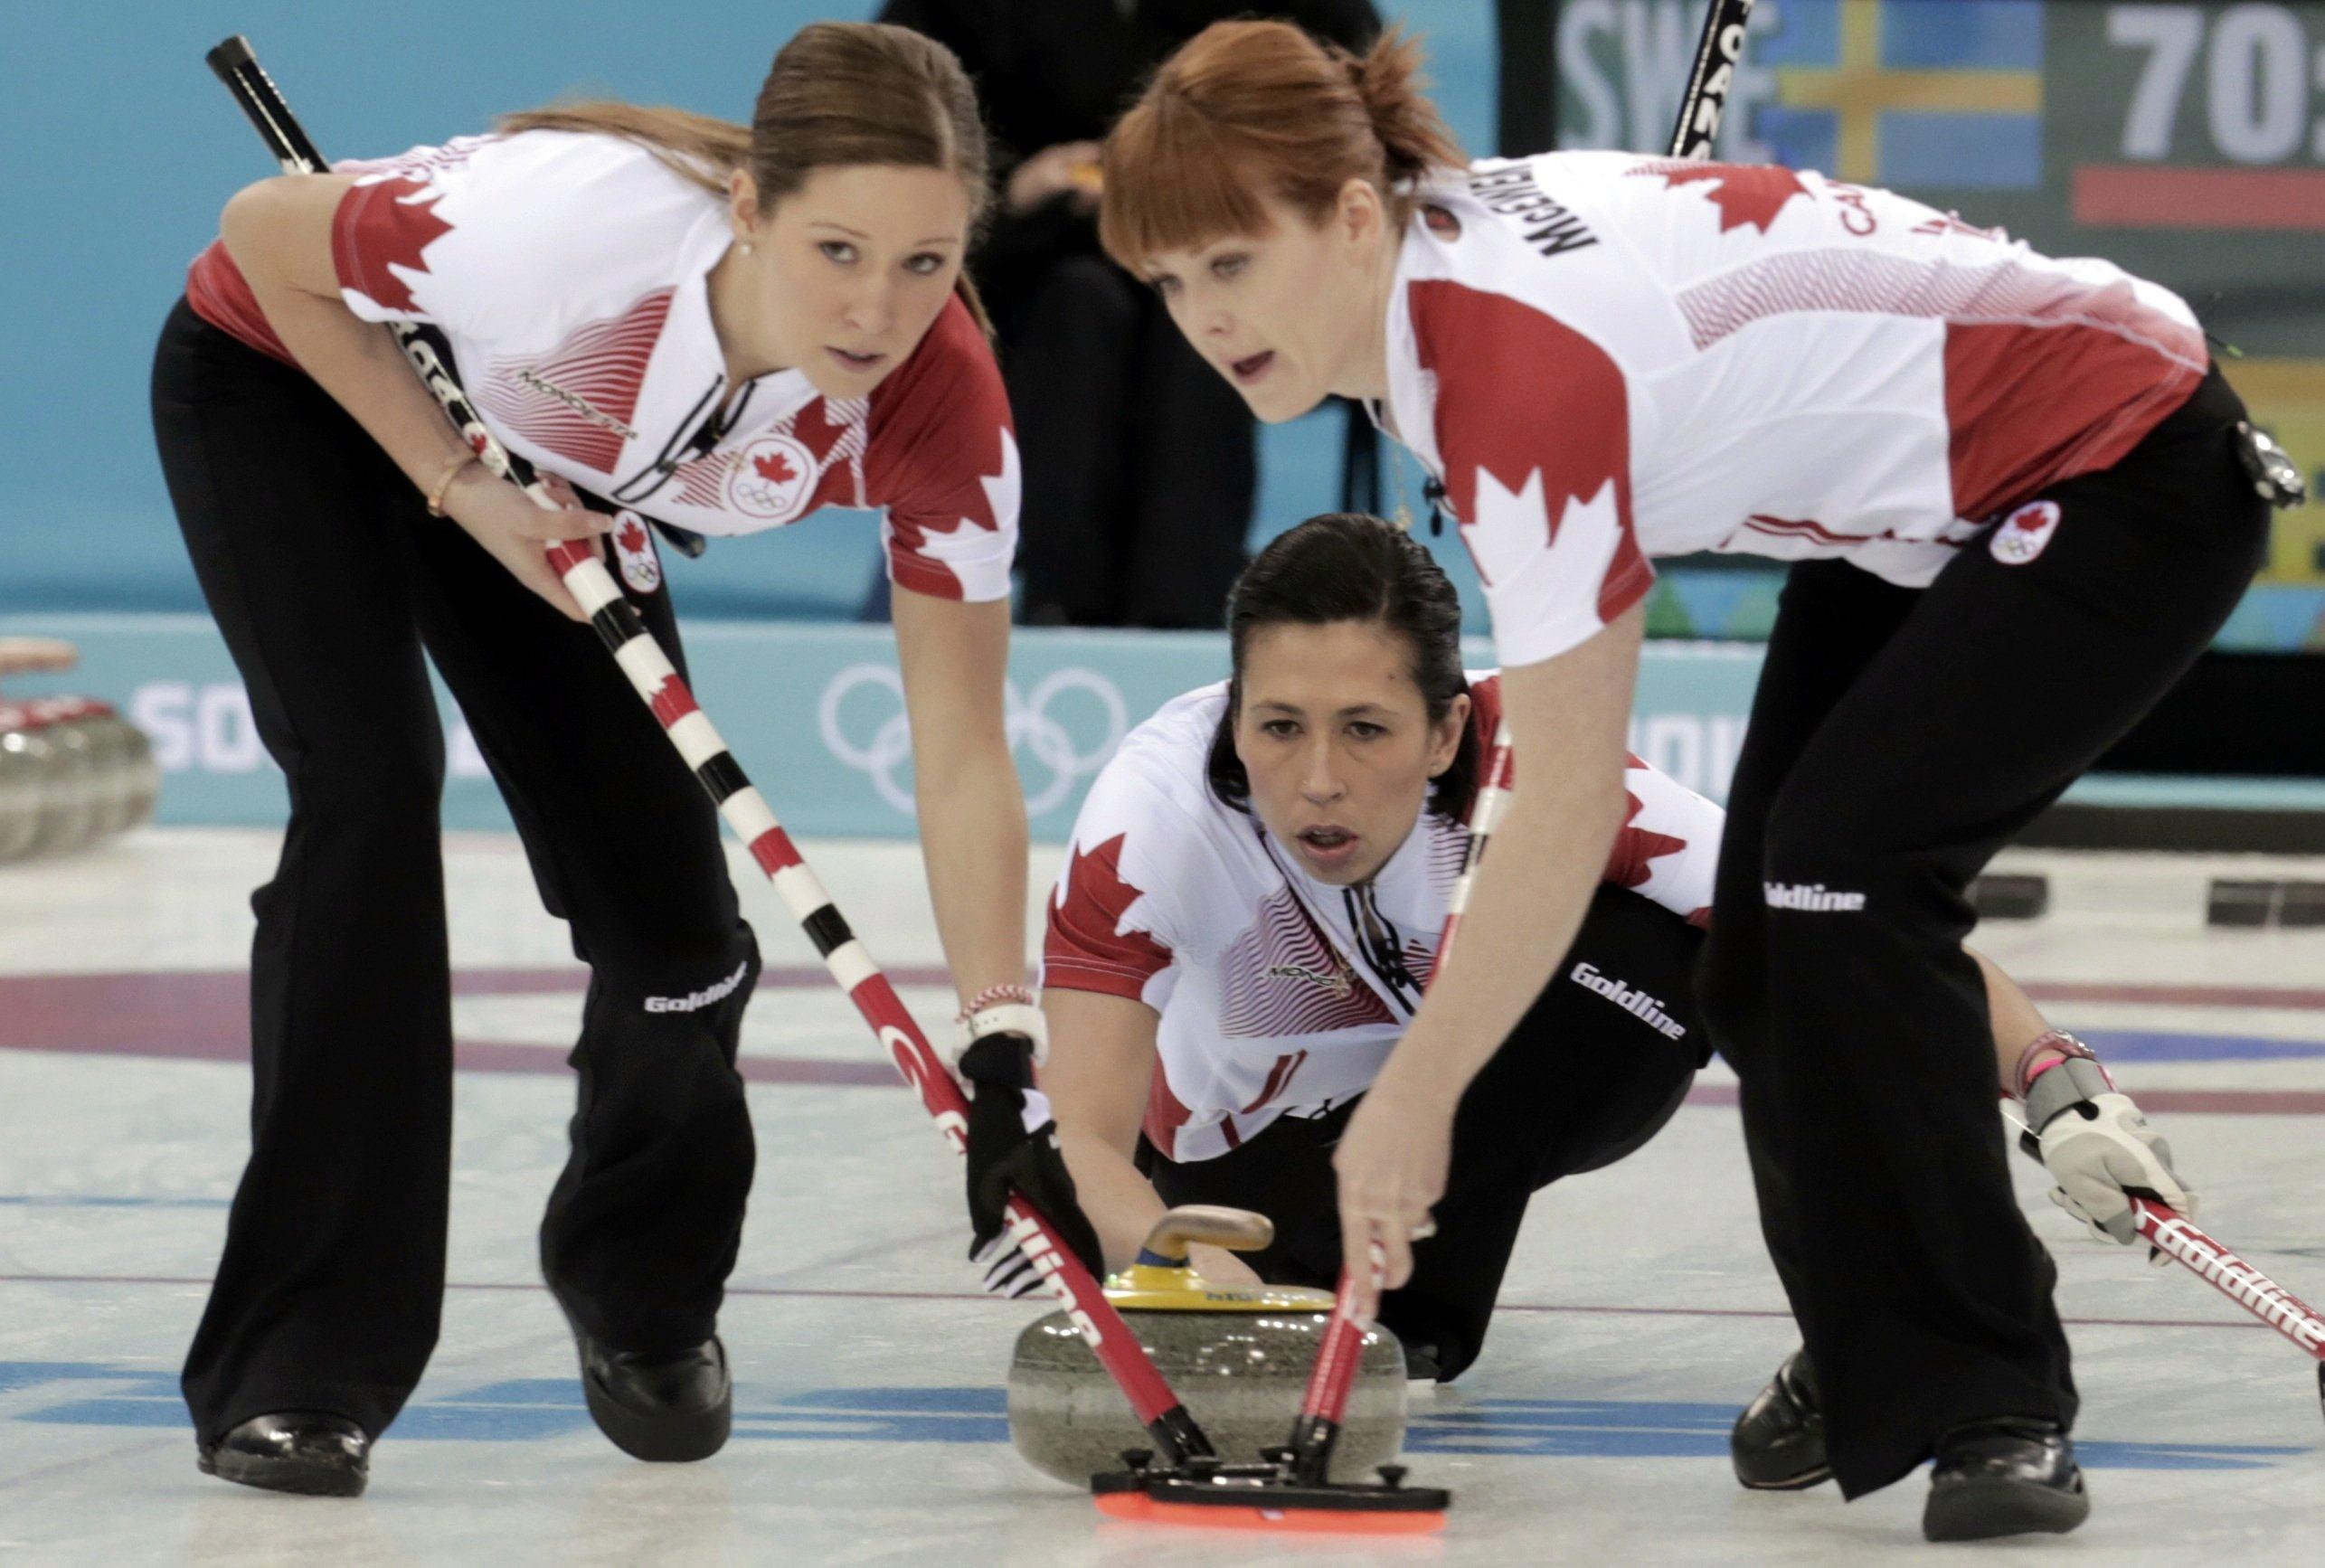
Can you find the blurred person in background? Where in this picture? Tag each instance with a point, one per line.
(1141, 463)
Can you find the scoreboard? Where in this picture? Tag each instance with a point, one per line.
(2184, 140)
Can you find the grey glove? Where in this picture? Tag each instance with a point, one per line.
(2100, 1149)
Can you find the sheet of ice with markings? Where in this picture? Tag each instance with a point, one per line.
(1639, 1313)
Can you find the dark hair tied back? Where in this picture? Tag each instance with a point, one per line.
(1346, 566)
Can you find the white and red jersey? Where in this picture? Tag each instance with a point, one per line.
(570, 272)
(1280, 993)
(1606, 357)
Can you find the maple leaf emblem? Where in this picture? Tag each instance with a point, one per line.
(1752, 193)
(1094, 899)
(1636, 848)
(630, 535)
(397, 234)
(775, 468)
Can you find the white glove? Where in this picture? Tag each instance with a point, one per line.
(1008, 1273)
(2101, 1150)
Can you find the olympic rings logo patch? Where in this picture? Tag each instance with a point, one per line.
(1063, 731)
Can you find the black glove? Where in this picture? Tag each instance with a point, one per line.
(1012, 1149)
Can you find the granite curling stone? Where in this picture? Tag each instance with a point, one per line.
(1238, 1355)
(72, 772)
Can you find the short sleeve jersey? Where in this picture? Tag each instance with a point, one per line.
(1606, 358)
(1280, 993)
(570, 273)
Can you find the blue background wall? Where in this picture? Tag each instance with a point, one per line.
(122, 148)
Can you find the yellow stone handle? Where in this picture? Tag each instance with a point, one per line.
(1236, 1229)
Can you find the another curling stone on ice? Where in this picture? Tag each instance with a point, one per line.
(71, 771)
(23, 783)
(72, 806)
(1238, 1354)
(125, 760)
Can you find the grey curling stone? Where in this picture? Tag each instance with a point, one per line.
(126, 760)
(24, 786)
(1241, 1371)
(71, 805)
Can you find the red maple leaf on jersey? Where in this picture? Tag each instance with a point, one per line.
(631, 535)
(1094, 899)
(1636, 848)
(814, 428)
(394, 227)
(1752, 193)
(775, 468)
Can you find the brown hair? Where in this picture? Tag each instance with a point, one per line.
(1253, 107)
(839, 93)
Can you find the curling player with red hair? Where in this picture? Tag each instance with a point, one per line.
(2018, 498)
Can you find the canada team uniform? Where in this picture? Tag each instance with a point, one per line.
(585, 340)
(1279, 996)
(1747, 360)
(2010, 488)
(568, 273)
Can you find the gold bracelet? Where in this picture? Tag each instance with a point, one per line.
(444, 482)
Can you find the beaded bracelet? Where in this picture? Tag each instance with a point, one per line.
(991, 995)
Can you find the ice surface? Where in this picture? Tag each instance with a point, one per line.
(1638, 1312)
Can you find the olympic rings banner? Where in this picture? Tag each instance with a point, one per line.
(814, 712)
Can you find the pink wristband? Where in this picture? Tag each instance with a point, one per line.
(2057, 1040)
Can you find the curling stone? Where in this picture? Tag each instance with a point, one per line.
(22, 784)
(70, 805)
(125, 762)
(1238, 1354)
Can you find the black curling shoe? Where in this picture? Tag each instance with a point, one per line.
(1778, 1443)
(674, 1407)
(293, 1450)
(2004, 1478)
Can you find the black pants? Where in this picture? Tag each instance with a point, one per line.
(1581, 1081)
(329, 581)
(1140, 461)
(1898, 738)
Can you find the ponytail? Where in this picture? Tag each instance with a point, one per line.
(1413, 137)
(1251, 109)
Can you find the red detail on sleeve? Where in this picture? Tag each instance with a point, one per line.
(1752, 193)
(220, 295)
(1635, 846)
(390, 223)
(1520, 392)
(1085, 949)
(775, 468)
(934, 438)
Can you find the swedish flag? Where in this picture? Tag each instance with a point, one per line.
(1909, 93)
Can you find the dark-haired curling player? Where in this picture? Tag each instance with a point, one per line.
(1253, 902)
(1251, 906)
